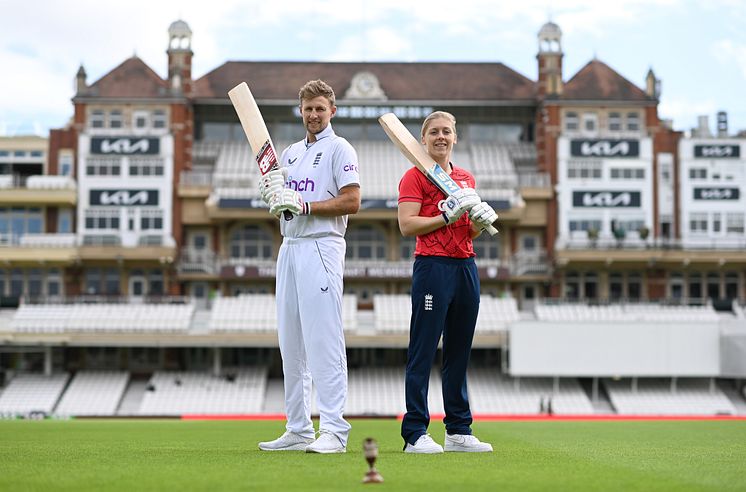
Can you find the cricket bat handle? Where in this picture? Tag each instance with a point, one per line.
(490, 230)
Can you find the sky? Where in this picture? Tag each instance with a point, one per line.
(696, 48)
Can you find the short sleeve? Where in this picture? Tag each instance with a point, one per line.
(346, 166)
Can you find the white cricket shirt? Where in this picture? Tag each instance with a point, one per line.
(318, 171)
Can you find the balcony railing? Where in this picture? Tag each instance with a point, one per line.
(534, 180)
(633, 241)
(196, 178)
(40, 182)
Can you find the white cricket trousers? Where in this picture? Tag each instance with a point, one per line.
(312, 344)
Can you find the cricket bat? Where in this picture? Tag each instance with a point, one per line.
(414, 152)
(255, 130)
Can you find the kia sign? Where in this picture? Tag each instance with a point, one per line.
(604, 148)
(123, 198)
(606, 199)
(717, 151)
(124, 145)
(716, 193)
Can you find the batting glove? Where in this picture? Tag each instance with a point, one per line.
(272, 183)
(457, 204)
(290, 200)
(483, 215)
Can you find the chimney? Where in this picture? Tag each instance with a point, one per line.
(703, 127)
(722, 124)
(80, 81)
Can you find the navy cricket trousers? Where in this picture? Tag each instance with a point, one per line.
(445, 301)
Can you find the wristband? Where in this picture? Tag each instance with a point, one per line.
(306, 208)
(445, 217)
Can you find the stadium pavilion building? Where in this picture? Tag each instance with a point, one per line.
(134, 241)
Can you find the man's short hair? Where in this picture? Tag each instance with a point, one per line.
(316, 88)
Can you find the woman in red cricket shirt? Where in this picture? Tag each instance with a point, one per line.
(445, 290)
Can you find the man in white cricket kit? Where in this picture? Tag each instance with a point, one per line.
(319, 183)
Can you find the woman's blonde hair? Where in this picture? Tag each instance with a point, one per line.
(437, 114)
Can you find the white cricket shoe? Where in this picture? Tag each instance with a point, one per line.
(326, 443)
(466, 444)
(424, 445)
(289, 441)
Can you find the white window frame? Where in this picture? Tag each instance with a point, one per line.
(698, 223)
(97, 118)
(116, 119)
(572, 122)
(137, 115)
(590, 123)
(615, 121)
(633, 121)
(159, 119)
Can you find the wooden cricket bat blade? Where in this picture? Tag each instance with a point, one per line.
(416, 154)
(256, 132)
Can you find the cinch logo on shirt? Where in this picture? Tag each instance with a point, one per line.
(350, 167)
(304, 185)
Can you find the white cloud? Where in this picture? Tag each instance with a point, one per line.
(39, 69)
(376, 44)
(684, 112)
(726, 51)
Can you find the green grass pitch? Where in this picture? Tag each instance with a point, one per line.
(137, 455)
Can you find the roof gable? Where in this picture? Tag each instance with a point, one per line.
(133, 78)
(597, 81)
(399, 81)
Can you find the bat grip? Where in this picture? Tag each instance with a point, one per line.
(491, 230)
(289, 216)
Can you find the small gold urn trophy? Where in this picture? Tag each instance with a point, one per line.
(370, 450)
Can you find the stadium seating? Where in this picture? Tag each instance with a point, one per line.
(379, 391)
(496, 314)
(102, 317)
(624, 312)
(657, 397)
(177, 393)
(349, 312)
(93, 393)
(493, 167)
(248, 313)
(382, 166)
(258, 313)
(491, 392)
(32, 393)
(392, 313)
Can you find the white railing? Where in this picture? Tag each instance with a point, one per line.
(633, 241)
(48, 240)
(51, 183)
(534, 180)
(195, 178)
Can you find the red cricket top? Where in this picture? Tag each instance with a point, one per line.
(453, 240)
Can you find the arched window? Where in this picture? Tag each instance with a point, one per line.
(366, 242)
(251, 241)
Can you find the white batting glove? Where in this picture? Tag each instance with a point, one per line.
(483, 215)
(460, 202)
(272, 183)
(290, 200)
